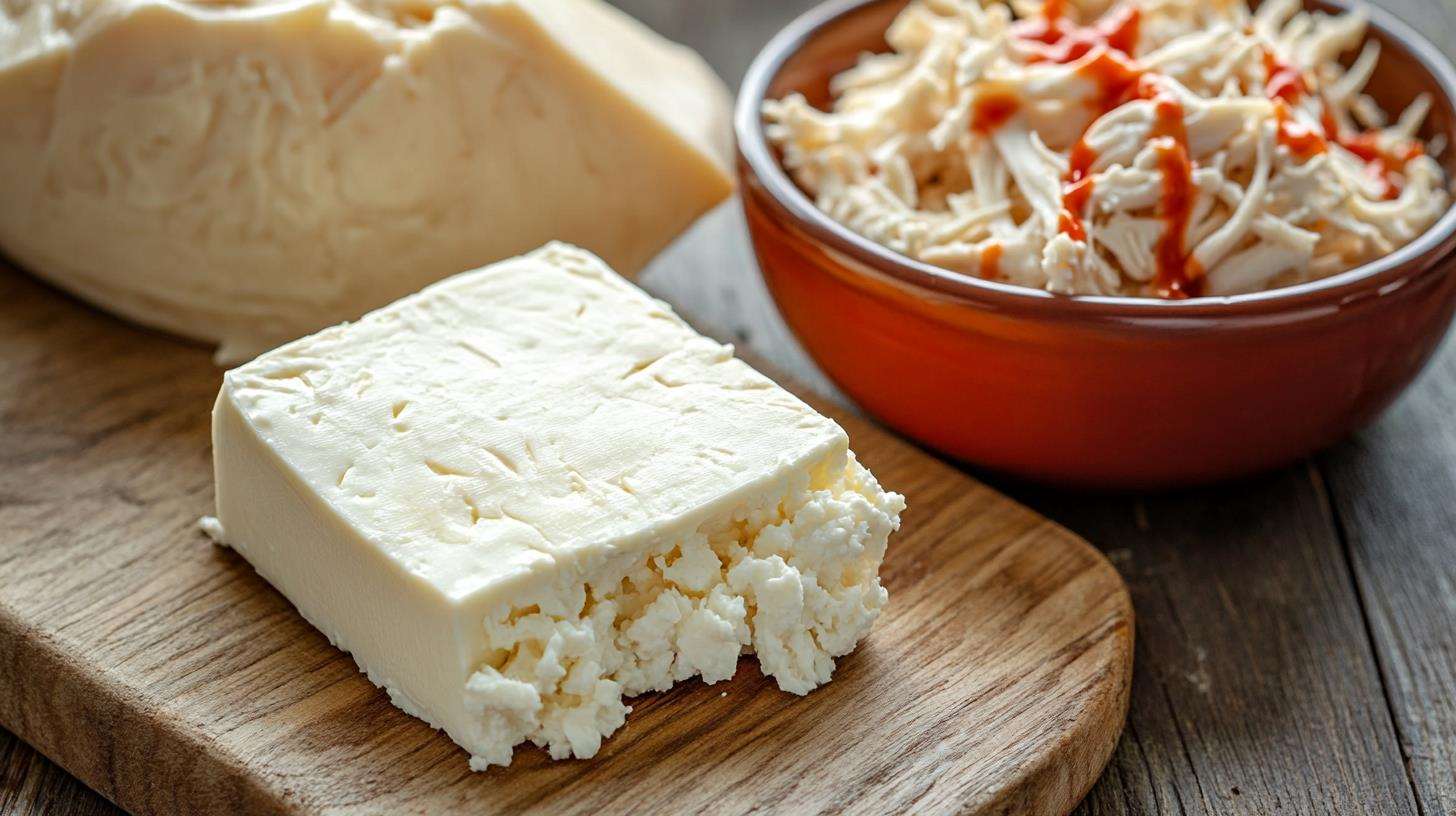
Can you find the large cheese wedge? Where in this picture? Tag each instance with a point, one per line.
(247, 172)
(530, 490)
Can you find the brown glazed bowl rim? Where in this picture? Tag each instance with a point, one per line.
(1378, 277)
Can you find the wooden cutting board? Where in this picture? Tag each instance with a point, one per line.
(165, 673)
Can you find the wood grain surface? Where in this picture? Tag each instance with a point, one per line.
(169, 676)
(1347, 707)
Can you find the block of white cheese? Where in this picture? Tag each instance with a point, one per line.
(248, 172)
(531, 490)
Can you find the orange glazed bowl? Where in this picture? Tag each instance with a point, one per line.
(1109, 392)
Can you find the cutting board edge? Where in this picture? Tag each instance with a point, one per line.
(1099, 728)
(117, 717)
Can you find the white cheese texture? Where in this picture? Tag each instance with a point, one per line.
(531, 490)
(247, 172)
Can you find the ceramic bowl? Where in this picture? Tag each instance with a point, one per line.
(1109, 392)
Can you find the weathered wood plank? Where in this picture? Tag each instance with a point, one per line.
(31, 785)
(1255, 689)
(1395, 488)
(728, 33)
(710, 275)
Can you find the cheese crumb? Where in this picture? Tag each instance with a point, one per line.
(212, 528)
(794, 580)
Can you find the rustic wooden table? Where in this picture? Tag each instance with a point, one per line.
(1296, 647)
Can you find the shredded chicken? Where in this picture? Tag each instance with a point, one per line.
(1169, 148)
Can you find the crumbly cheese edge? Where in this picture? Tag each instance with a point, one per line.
(792, 578)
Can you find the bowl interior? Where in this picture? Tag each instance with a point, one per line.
(830, 39)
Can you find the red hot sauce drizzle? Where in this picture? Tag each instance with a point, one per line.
(1054, 10)
(1285, 85)
(1118, 79)
(1113, 73)
(1077, 190)
(1303, 141)
(994, 106)
(1178, 276)
(1055, 39)
(1284, 81)
(991, 260)
(1379, 162)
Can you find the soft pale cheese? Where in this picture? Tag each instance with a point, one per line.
(248, 172)
(530, 490)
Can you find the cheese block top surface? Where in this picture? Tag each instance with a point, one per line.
(521, 417)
